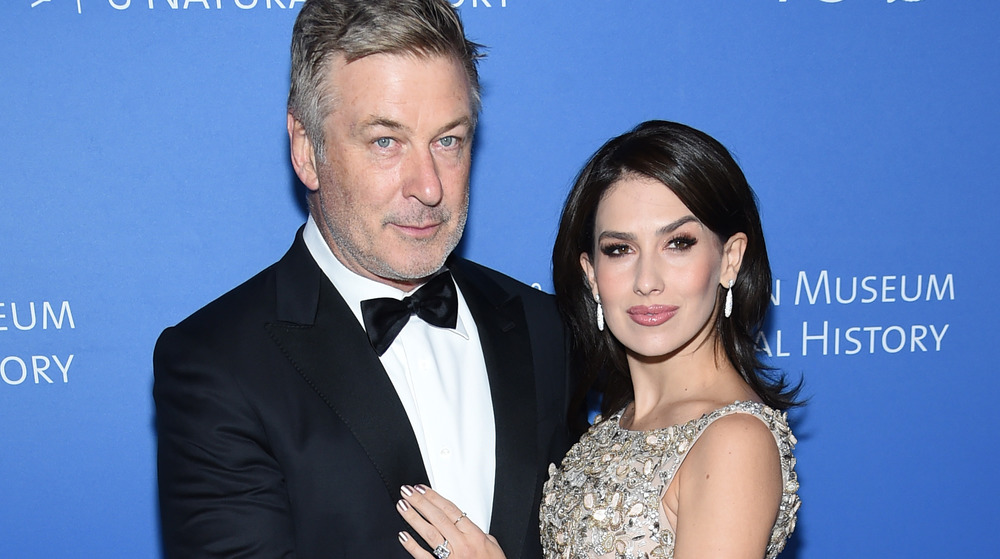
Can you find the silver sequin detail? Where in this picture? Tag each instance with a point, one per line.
(605, 500)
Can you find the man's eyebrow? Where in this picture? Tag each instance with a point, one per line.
(382, 121)
(461, 121)
(385, 122)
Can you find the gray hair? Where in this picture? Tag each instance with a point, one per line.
(359, 28)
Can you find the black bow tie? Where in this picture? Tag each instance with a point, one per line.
(436, 303)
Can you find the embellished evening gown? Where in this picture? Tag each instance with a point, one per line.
(605, 500)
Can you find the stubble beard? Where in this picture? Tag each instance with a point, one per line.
(337, 228)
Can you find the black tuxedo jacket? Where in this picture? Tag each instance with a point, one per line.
(280, 434)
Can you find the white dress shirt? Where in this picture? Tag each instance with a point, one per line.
(440, 377)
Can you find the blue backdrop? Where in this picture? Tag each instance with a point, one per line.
(144, 171)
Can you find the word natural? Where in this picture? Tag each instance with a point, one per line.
(268, 4)
(208, 4)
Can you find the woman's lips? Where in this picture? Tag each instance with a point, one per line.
(653, 315)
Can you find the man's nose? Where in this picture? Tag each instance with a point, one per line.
(424, 180)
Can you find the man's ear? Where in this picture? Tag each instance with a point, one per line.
(303, 155)
(732, 257)
(589, 273)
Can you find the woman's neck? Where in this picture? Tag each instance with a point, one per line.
(677, 388)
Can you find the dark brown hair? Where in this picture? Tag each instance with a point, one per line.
(702, 173)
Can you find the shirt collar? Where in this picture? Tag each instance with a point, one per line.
(353, 287)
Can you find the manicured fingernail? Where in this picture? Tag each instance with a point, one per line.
(403, 538)
(406, 490)
(422, 489)
(402, 506)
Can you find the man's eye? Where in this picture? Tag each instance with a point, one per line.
(383, 142)
(448, 141)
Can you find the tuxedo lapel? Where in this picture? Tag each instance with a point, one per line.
(503, 331)
(323, 340)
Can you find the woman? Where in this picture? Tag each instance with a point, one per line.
(661, 271)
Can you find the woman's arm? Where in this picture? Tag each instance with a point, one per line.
(728, 491)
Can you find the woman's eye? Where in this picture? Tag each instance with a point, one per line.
(682, 243)
(383, 142)
(614, 250)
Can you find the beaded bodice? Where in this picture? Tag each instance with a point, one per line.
(605, 500)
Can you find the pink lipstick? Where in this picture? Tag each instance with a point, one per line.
(653, 315)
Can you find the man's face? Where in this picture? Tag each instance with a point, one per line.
(392, 195)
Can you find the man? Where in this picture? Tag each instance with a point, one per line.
(291, 410)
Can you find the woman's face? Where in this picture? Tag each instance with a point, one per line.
(657, 269)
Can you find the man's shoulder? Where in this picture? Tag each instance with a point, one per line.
(257, 299)
(244, 304)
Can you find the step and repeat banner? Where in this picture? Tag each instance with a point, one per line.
(144, 171)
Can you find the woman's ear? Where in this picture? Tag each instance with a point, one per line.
(732, 257)
(589, 273)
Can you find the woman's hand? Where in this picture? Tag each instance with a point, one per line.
(443, 526)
